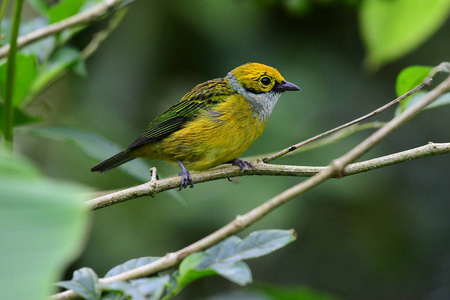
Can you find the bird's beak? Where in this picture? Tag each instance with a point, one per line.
(285, 86)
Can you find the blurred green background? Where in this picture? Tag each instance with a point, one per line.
(380, 235)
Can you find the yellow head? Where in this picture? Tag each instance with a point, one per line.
(260, 84)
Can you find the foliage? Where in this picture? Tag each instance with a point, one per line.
(43, 226)
(224, 259)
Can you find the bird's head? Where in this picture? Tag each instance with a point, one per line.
(260, 84)
(258, 78)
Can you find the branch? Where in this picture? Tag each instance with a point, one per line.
(427, 81)
(84, 17)
(154, 187)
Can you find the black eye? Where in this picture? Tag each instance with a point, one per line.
(265, 81)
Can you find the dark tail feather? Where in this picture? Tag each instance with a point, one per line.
(112, 162)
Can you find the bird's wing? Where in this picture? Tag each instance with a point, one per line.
(202, 97)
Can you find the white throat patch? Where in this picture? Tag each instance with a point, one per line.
(263, 103)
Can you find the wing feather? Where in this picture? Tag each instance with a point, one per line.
(202, 97)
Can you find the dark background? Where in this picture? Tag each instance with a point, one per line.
(379, 235)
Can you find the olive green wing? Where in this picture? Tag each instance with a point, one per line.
(203, 97)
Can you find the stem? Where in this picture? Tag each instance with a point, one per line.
(10, 76)
(2, 13)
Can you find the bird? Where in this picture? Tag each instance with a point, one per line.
(212, 124)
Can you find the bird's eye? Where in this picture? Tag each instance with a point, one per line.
(265, 81)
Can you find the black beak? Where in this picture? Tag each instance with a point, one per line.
(285, 86)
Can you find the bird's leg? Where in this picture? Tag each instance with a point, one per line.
(244, 165)
(185, 177)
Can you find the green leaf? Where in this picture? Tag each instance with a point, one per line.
(411, 77)
(96, 147)
(238, 272)
(152, 287)
(124, 288)
(130, 265)
(226, 257)
(61, 61)
(93, 145)
(20, 117)
(257, 244)
(410, 101)
(17, 168)
(42, 228)
(26, 72)
(65, 9)
(392, 28)
(84, 283)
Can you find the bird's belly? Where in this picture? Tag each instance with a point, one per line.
(215, 137)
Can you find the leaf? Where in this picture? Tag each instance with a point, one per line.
(96, 147)
(65, 9)
(238, 272)
(392, 28)
(18, 168)
(20, 117)
(226, 257)
(152, 287)
(130, 265)
(84, 283)
(188, 272)
(42, 228)
(410, 101)
(61, 61)
(93, 145)
(257, 244)
(126, 289)
(411, 77)
(26, 72)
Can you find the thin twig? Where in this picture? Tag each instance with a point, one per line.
(378, 110)
(84, 17)
(154, 186)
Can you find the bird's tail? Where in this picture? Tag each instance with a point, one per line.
(112, 162)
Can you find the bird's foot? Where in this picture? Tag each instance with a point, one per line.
(185, 177)
(244, 165)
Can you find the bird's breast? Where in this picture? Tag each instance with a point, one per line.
(216, 136)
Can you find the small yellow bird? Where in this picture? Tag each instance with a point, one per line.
(212, 124)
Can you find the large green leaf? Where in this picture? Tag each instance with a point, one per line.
(65, 9)
(257, 244)
(26, 72)
(42, 228)
(96, 147)
(411, 77)
(392, 28)
(93, 145)
(225, 258)
(408, 79)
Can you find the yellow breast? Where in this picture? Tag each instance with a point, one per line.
(216, 136)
